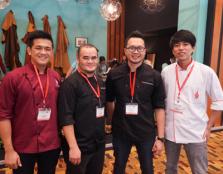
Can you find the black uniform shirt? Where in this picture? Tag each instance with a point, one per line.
(77, 105)
(149, 94)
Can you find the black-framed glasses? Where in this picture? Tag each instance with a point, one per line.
(133, 49)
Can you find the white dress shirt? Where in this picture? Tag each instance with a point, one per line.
(186, 117)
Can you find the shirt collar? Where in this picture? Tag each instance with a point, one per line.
(188, 66)
(138, 69)
(31, 66)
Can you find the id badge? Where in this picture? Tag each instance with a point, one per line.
(100, 112)
(44, 114)
(131, 108)
(178, 105)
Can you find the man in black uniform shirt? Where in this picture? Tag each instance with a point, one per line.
(81, 115)
(134, 92)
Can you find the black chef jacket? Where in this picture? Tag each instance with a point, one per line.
(77, 105)
(149, 94)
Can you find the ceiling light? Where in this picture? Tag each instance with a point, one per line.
(152, 6)
(4, 3)
(110, 9)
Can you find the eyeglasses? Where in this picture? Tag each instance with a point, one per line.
(133, 49)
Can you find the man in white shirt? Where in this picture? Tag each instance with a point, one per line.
(188, 85)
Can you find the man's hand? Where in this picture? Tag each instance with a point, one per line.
(12, 159)
(207, 133)
(75, 155)
(157, 148)
(214, 115)
(108, 129)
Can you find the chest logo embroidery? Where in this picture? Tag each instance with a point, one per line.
(196, 95)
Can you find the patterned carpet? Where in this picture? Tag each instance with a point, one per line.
(215, 155)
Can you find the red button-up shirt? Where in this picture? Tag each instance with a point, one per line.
(20, 99)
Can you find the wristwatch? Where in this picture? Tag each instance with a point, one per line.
(162, 139)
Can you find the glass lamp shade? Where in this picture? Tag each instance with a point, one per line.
(4, 3)
(152, 6)
(110, 9)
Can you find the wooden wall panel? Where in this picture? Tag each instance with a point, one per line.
(221, 62)
(108, 39)
(216, 60)
(216, 34)
(116, 36)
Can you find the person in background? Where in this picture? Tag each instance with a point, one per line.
(113, 63)
(28, 111)
(171, 60)
(134, 92)
(71, 69)
(188, 85)
(81, 115)
(102, 68)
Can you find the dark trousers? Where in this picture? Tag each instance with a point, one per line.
(46, 162)
(122, 150)
(91, 163)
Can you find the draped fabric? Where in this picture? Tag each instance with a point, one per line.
(10, 39)
(30, 28)
(2, 66)
(46, 24)
(61, 56)
(47, 28)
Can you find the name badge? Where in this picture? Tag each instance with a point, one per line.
(178, 105)
(44, 114)
(131, 108)
(100, 112)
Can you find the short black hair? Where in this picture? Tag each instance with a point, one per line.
(38, 34)
(101, 58)
(88, 45)
(183, 36)
(136, 34)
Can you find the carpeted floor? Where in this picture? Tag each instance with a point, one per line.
(215, 155)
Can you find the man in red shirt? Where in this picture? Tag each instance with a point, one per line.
(28, 111)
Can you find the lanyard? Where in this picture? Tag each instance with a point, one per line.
(97, 93)
(185, 80)
(132, 84)
(44, 93)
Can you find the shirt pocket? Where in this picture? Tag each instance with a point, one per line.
(86, 98)
(145, 90)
